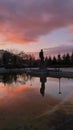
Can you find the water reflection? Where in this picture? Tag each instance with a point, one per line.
(43, 80)
(22, 106)
(8, 79)
(44, 83)
(60, 86)
(14, 78)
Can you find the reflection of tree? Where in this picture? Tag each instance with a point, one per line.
(23, 78)
(13, 78)
(9, 78)
(42, 80)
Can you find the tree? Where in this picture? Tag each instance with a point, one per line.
(49, 61)
(46, 61)
(54, 61)
(59, 60)
(72, 58)
(64, 59)
(67, 59)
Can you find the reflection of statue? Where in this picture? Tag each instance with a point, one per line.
(42, 89)
(41, 55)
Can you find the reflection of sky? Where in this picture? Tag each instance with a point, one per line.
(51, 87)
(66, 87)
(22, 102)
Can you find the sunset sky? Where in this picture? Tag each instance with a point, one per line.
(30, 25)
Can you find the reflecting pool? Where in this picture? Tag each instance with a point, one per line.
(35, 103)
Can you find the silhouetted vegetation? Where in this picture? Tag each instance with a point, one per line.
(65, 60)
(22, 60)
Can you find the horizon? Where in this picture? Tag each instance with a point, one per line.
(48, 52)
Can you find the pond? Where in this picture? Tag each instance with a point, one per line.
(35, 103)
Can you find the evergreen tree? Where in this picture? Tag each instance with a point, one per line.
(67, 59)
(59, 60)
(64, 59)
(54, 61)
(49, 61)
(72, 58)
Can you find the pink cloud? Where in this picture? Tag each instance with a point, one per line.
(70, 28)
(25, 21)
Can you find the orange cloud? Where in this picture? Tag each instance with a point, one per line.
(26, 21)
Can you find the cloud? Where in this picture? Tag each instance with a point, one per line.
(71, 41)
(70, 29)
(54, 51)
(23, 21)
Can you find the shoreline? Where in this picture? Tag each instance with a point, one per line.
(36, 72)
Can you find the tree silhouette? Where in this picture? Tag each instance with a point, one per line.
(59, 60)
(54, 61)
(72, 58)
(20, 60)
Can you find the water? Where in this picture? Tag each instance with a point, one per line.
(35, 103)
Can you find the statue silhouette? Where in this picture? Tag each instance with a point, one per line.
(41, 56)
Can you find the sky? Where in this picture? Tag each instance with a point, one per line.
(31, 25)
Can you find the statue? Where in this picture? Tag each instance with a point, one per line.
(41, 55)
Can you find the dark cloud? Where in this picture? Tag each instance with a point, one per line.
(26, 20)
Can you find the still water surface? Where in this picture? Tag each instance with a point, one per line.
(35, 103)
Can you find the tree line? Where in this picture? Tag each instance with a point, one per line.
(65, 60)
(10, 60)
